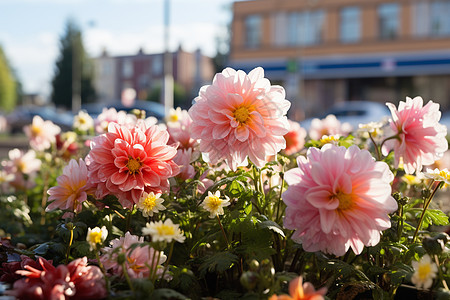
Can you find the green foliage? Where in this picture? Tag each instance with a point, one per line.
(8, 84)
(73, 69)
(180, 96)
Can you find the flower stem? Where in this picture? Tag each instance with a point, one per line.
(168, 260)
(223, 231)
(127, 277)
(102, 268)
(377, 150)
(70, 244)
(425, 207)
(279, 198)
(444, 283)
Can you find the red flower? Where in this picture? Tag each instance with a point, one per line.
(77, 280)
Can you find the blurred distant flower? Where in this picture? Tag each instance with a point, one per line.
(295, 138)
(421, 140)
(373, 127)
(331, 191)
(214, 205)
(183, 160)
(164, 232)
(328, 126)
(5, 179)
(77, 280)
(112, 115)
(176, 116)
(150, 203)
(126, 162)
(3, 124)
(301, 291)
(424, 272)
(240, 116)
(72, 188)
(41, 133)
(411, 179)
(20, 162)
(96, 236)
(137, 260)
(66, 143)
(83, 121)
(330, 139)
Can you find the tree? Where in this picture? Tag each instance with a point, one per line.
(180, 97)
(8, 84)
(74, 71)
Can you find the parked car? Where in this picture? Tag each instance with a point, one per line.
(151, 108)
(23, 115)
(354, 113)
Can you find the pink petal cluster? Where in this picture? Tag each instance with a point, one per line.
(126, 161)
(77, 280)
(328, 126)
(72, 189)
(8, 269)
(240, 116)
(338, 198)
(301, 291)
(137, 260)
(295, 138)
(22, 167)
(180, 134)
(109, 115)
(41, 133)
(421, 139)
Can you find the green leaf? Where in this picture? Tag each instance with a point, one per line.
(272, 226)
(248, 209)
(166, 294)
(218, 262)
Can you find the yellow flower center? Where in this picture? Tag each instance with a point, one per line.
(329, 139)
(173, 118)
(132, 264)
(445, 175)
(150, 202)
(133, 165)
(241, 114)
(35, 130)
(424, 271)
(95, 237)
(165, 230)
(214, 202)
(345, 201)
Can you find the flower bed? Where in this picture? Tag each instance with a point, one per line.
(228, 200)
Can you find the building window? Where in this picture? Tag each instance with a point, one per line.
(305, 28)
(157, 65)
(127, 68)
(253, 25)
(388, 15)
(279, 29)
(431, 18)
(350, 29)
(440, 18)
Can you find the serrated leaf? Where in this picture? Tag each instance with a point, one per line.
(272, 226)
(218, 262)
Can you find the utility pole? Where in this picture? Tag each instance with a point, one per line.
(76, 73)
(167, 91)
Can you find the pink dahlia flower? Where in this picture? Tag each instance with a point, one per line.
(41, 133)
(295, 138)
(72, 188)
(137, 260)
(126, 161)
(109, 115)
(240, 116)
(421, 139)
(338, 198)
(328, 126)
(77, 280)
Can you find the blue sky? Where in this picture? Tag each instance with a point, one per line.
(30, 30)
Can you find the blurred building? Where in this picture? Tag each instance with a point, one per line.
(144, 73)
(326, 51)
